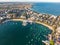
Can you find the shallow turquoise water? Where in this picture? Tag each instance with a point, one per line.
(16, 34)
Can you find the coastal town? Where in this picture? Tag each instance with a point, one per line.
(23, 12)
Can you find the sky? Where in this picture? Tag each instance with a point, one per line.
(29, 0)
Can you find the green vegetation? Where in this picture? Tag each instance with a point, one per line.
(51, 42)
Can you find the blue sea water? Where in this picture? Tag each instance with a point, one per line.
(49, 8)
(14, 33)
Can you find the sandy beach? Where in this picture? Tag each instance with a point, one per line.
(50, 27)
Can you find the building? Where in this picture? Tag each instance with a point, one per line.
(13, 15)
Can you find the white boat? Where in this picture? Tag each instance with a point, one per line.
(46, 42)
(24, 23)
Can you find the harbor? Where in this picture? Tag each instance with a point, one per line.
(25, 14)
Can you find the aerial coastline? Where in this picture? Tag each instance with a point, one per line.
(22, 12)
